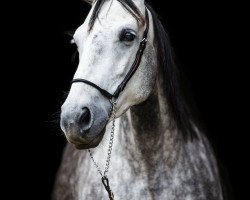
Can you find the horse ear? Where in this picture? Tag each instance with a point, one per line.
(89, 1)
(139, 3)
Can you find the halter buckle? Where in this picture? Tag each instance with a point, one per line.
(144, 40)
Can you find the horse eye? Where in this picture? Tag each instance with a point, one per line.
(127, 36)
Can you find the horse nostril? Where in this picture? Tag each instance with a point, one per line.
(84, 119)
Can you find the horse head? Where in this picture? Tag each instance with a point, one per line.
(108, 42)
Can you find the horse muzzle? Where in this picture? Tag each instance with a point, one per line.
(84, 125)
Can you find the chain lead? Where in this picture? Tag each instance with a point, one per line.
(111, 139)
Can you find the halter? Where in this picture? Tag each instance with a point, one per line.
(130, 73)
(112, 98)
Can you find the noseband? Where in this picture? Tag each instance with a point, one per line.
(131, 72)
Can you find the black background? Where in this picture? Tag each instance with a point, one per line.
(40, 69)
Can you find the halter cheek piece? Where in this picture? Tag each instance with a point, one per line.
(131, 72)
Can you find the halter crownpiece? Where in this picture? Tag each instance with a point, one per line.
(130, 73)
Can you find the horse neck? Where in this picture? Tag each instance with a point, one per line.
(151, 138)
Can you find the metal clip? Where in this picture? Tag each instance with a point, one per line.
(105, 182)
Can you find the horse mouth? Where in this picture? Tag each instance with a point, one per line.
(94, 142)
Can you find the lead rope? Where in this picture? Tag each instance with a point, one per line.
(105, 180)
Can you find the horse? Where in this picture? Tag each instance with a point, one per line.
(128, 85)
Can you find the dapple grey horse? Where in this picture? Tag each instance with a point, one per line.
(158, 150)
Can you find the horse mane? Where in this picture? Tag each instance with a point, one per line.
(179, 109)
(180, 113)
(127, 4)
